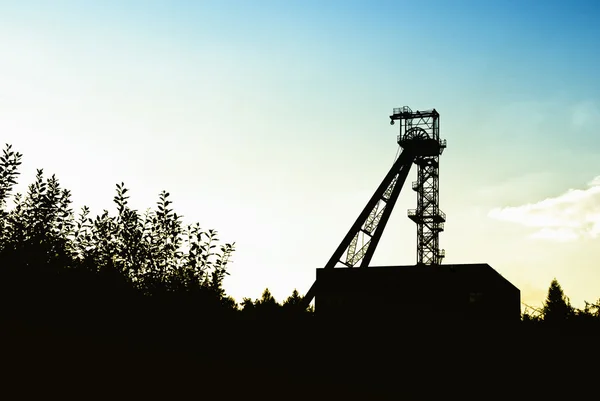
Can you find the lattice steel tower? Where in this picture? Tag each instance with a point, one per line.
(420, 139)
(420, 134)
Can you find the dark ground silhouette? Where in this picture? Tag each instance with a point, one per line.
(132, 305)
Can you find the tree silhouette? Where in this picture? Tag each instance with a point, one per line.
(294, 303)
(293, 300)
(68, 268)
(532, 314)
(267, 306)
(592, 309)
(557, 307)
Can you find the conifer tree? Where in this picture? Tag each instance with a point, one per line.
(557, 307)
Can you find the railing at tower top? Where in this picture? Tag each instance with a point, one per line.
(407, 111)
(399, 110)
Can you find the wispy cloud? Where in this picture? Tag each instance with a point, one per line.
(567, 217)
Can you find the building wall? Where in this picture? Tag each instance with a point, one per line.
(472, 292)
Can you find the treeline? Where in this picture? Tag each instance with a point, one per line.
(129, 269)
(558, 310)
(135, 270)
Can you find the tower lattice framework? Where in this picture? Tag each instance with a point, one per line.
(420, 139)
(420, 133)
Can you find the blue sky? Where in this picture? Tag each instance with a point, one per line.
(268, 121)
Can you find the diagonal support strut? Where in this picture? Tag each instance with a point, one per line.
(371, 221)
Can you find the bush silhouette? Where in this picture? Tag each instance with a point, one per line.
(76, 270)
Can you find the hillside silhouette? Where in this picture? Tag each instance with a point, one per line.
(140, 295)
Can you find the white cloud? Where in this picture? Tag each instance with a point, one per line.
(567, 217)
(555, 234)
(595, 182)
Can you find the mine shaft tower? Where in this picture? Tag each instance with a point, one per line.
(420, 134)
(419, 137)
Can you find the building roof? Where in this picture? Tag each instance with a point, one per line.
(472, 275)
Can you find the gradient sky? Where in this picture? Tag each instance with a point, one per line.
(268, 121)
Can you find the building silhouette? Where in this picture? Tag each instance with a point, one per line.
(458, 292)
